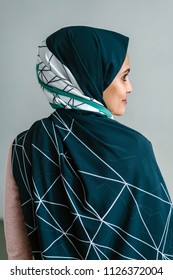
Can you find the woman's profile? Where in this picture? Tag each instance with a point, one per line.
(79, 184)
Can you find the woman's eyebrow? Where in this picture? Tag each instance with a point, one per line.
(126, 71)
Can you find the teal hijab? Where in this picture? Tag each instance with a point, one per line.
(90, 187)
(76, 64)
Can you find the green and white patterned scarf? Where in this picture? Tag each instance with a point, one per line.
(61, 87)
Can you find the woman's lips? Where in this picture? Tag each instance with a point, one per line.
(124, 101)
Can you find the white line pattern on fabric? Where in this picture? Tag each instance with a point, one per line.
(53, 73)
(92, 213)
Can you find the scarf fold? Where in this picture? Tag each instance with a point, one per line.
(90, 187)
(61, 87)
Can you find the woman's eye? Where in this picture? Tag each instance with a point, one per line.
(124, 78)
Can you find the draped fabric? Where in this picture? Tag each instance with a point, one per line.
(90, 187)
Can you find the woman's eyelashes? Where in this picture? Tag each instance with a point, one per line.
(124, 77)
(125, 74)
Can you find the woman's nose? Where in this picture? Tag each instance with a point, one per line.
(129, 87)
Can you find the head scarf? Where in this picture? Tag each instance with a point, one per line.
(90, 187)
(83, 56)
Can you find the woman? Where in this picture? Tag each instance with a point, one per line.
(89, 187)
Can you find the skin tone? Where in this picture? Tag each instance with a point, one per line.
(115, 95)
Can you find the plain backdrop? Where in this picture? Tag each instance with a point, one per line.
(24, 24)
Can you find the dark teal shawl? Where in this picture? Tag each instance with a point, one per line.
(90, 187)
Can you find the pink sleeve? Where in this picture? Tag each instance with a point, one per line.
(17, 242)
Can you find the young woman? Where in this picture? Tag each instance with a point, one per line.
(79, 184)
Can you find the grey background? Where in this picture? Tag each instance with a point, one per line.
(24, 24)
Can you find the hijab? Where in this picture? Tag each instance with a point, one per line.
(76, 64)
(90, 187)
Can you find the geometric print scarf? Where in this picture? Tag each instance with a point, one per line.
(91, 199)
(61, 87)
(75, 65)
(90, 187)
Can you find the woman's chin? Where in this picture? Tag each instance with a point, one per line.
(118, 114)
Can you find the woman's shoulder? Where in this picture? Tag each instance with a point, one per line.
(131, 131)
(136, 140)
(34, 128)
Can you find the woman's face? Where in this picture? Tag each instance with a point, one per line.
(115, 95)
